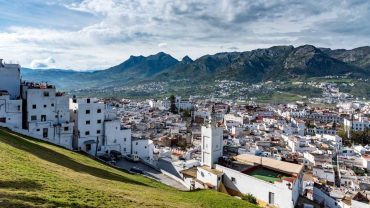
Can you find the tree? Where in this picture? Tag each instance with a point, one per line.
(173, 108)
(249, 198)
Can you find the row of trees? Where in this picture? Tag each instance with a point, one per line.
(356, 137)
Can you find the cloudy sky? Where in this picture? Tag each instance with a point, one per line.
(95, 34)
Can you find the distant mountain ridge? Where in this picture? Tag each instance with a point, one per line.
(277, 62)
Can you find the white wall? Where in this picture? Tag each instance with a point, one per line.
(143, 148)
(48, 112)
(117, 138)
(11, 111)
(246, 184)
(208, 177)
(88, 115)
(10, 79)
(212, 145)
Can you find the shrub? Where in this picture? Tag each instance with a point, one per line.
(249, 198)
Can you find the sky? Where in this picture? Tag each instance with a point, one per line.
(97, 34)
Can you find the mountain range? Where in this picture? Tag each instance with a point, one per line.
(274, 63)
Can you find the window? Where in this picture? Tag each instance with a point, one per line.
(19, 107)
(124, 139)
(37, 129)
(74, 100)
(46, 94)
(233, 179)
(87, 133)
(52, 105)
(33, 106)
(145, 147)
(99, 121)
(88, 100)
(124, 149)
(88, 147)
(115, 141)
(271, 198)
(99, 110)
(43, 117)
(33, 118)
(137, 143)
(98, 131)
(88, 122)
(87, 111)
(45, 132)
(66, 128)
(44, 106)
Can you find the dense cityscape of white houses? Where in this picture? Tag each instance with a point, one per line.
(290, 155)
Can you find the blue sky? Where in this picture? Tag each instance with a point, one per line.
(96, 34)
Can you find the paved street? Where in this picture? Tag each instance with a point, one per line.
(151, 172)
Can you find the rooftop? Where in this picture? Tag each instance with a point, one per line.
(284, 167)
(266, 174)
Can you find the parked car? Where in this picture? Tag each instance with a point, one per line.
(132, 157)
(136, 170)
(116, 154)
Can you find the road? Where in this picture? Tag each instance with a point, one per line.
(151, 172)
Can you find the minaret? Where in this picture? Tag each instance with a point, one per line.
(212, 141)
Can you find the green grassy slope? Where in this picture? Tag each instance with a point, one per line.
(37, 174)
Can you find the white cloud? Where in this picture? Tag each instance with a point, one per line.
(43, 63)
(180, 27)
(162, 45)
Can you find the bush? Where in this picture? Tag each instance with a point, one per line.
(249, 198)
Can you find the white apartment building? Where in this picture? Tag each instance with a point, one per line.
(10, 80)
(357, 124)
(46, 114)
(10, 102)
(10, 111)
(88, 116)
(143, 148)
(116, 137)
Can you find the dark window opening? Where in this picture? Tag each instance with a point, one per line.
(45, 132)
(88, 147)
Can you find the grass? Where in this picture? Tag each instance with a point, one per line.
(279, 97)
(267, 175)
(38, 174)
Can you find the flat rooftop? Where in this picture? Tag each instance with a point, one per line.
(269, 163)
(267, 175)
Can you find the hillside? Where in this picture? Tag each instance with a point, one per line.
(145, 76)
(37, 174)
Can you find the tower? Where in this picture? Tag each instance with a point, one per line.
(212, 142)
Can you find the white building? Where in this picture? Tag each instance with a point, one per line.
(280, 192)
(144, 148)
(88, 115)
(46, 114)
(357, 124)
(116, 137)
(10, 79)
(212, 144)
(10, 111)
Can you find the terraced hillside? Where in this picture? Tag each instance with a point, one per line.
(37, 174)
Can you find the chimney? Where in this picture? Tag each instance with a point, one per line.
(1, 62)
